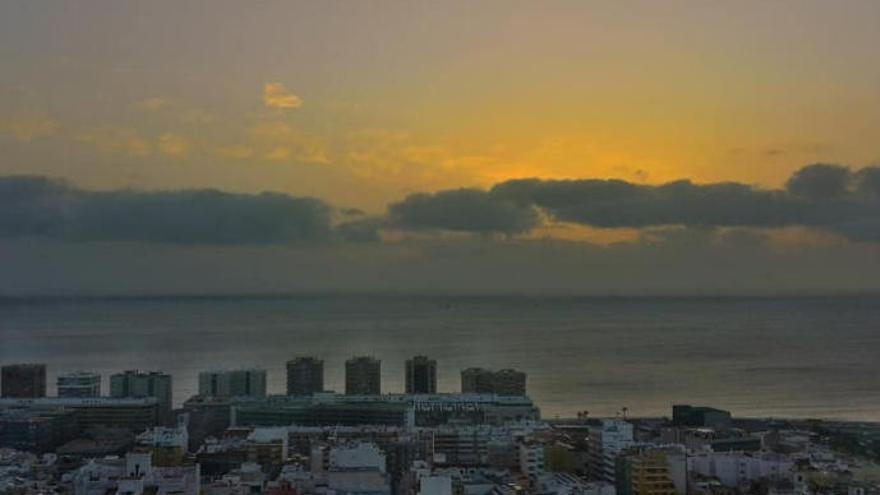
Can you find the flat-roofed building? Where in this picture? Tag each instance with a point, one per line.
(136, 384)
(135, 414)
(363, 376)
(233, 383)
(503, 382)
(421, 375)
(305, 376)
(23, 381)
(79, 384)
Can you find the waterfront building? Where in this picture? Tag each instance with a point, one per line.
(700, 417)
(477, 381)
(136, 414)
(22, 381)
(233, 383)
(421, 375)
(502, 382)
(79, 384)
(137, 384)
(389, 409)
(305, 376)
(509, 382)
(363, 376)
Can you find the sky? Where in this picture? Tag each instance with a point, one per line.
(587, 146)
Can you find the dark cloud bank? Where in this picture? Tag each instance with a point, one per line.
(828, 197)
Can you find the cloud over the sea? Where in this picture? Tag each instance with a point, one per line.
(828, 197)
(821, 197)
(42, 208)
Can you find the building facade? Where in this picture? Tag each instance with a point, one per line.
(363, 376)
(23, 381)
(233, 383)
(305, 376)
(503, 382)
(137, 384)
(606, 440)
(79, 384)
(421, 375)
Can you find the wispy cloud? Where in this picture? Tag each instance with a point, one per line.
(235, 152)
(152, 104)
(275, 95)
(28, 126)
(173, 145)
(112, 140)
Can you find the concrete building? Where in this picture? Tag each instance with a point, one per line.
(502, 382)
(363, 376)
(79, 384)
(606, 440)
(700, 417)
(36, 430)
(510, 382)
(305, 376)
(652, 471)
(734, 469)
(136, 384)
(23, 381)
(421, 375)
(477, 381)
(531, 460)
(389, 409)
(233, 383)
(129, 413)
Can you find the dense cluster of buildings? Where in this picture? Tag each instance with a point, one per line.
(489, 439)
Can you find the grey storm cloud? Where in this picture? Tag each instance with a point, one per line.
(466, 210)
(50, 209)
(829, 197)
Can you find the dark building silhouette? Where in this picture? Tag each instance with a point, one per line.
(483, 381)
(510, 382)
(305, 376)
(137, 384)
(23, 381)
(477, 381)
(421, 375)
(363, 376)
(700, 416)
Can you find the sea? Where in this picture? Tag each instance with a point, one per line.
(816, 357)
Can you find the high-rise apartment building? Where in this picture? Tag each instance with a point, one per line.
(477, 381)
(363, 376)
(233, 383)
(421, 375)
(137, 384)
(79, 384)
(502, 382)
(305, 376)
(23, 381)
(510, 382)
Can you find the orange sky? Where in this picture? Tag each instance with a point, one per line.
(361, 104)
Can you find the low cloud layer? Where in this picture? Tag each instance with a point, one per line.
(469, 210)
(42, 208)
(828, 197)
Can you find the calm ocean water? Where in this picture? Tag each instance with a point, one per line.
(799, 357)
